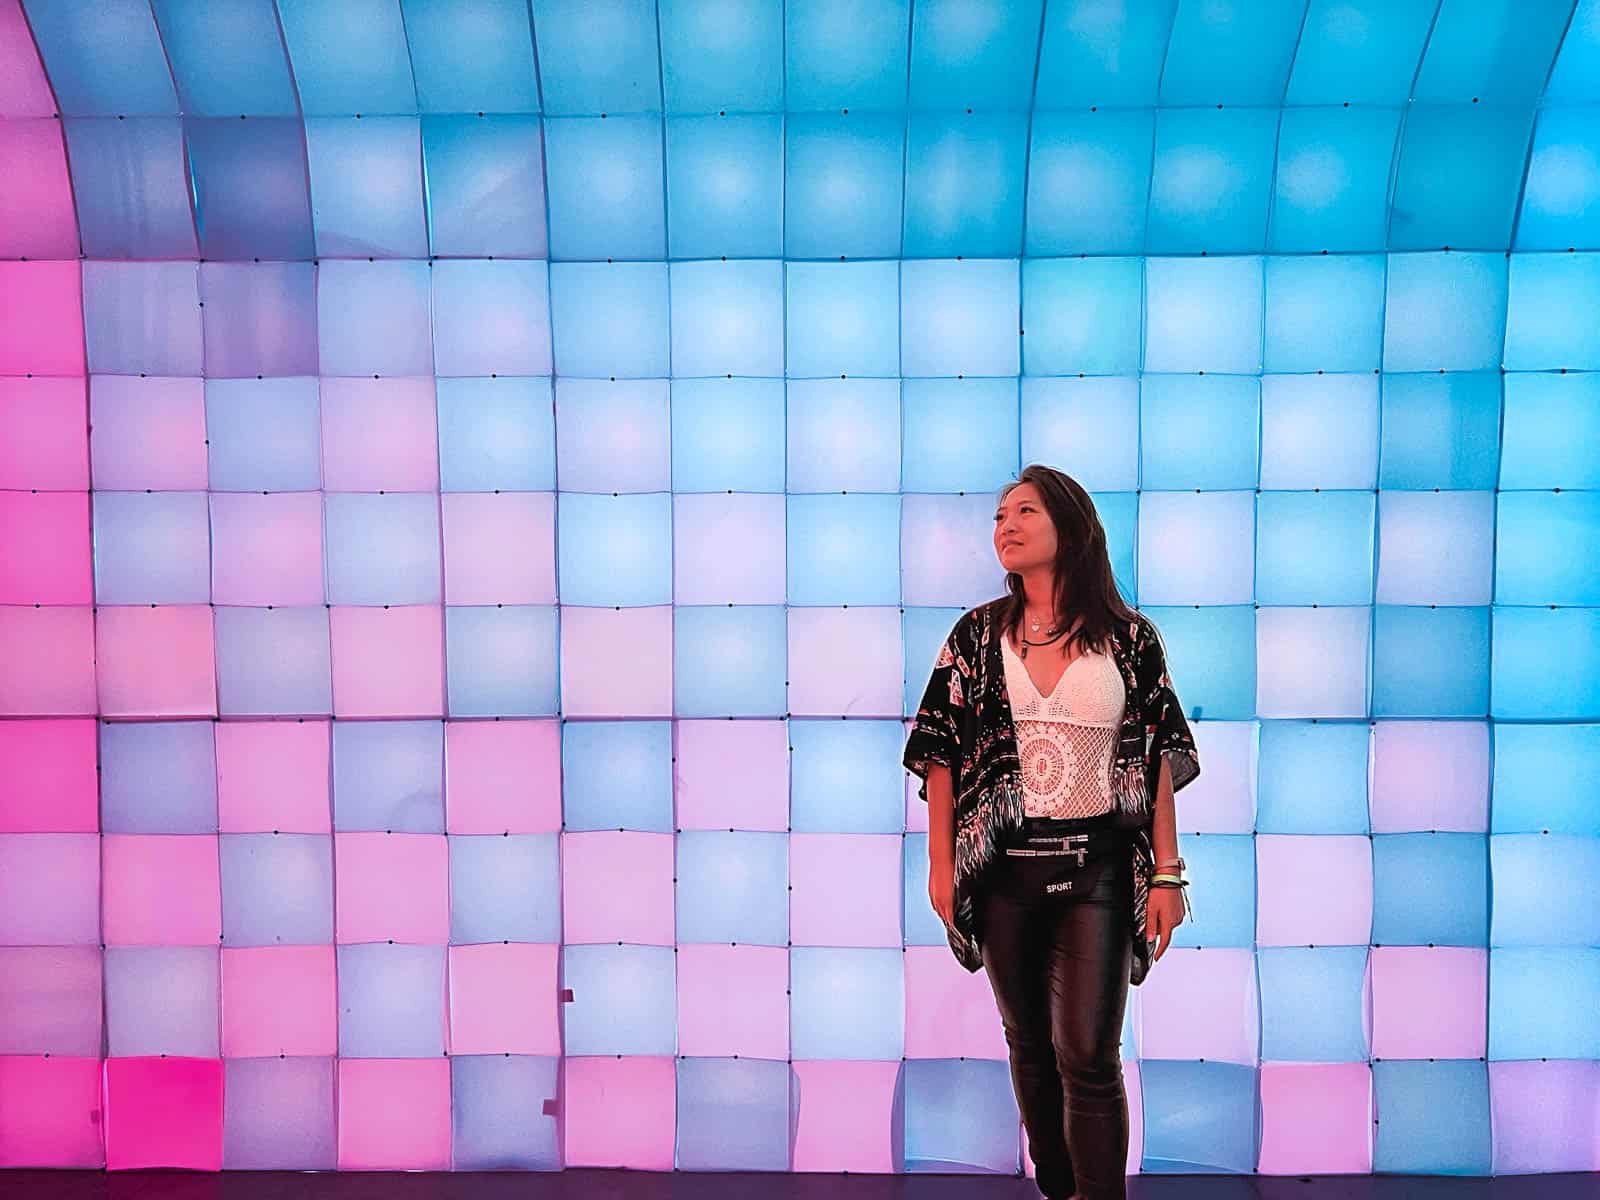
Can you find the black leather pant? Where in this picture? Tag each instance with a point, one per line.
(1059, 964)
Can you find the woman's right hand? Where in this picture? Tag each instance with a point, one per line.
(942, 891)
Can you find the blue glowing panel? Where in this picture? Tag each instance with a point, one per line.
(923, 631)
(1521, 866)
(844, 550)
(259, 318)
(727, 435)
(131, 187)
(278, 1114)
(1529, 798)
(274, 661)
(617, 775)
(1179, 1139)
(373, 318)
(366, 186)
(1312, 1003)
(505, 888)
(960, 1113)
(496, 433)
(104, 57)
(1214, 651)
(389, 776)
(1541, 1002)
(846, 54)
(1361, 51)
(960, 435)
(946, 546)
(1319, 431)
(1550, 300)
(611, 320)
(390, 1001)
(719, 56)
(1436, 1118)
(847, 1003)
(1088, 427)
(1546, 664)
(159, 777)
(624, 999)
(732, 887)
(612, 437)
(1229, 861)
(497, 1114)
(1099, 54)
(152, 548)
(964, 184)
(252, 196)
(1429, 662)
(264, 434)
(1234, 54)
(227, 59)
(162, 1000)
(729, 661)
(277, 888)
(734, 1114)
(1203, 314)
(841, 319)
(1085, 316)
(1459, 174)
(383, 549)
(725, 187)
(1427, 889)
(1493, 50)
(1324, 314)
(843, 185)
(1198, 432)
(485, 186)
(471, 59)
(1089, 182)
(606, 184)
(1575, 78)
(967, 54)
(1441, 431)
(1211, 181)
(142, 318)
(960, 318)
(1435, 547)
(1551, 421)
(1561, 197)
(501, 661)
(923, 926)
(615, 550)
(727, 318)
(1445, 312)
(843, 778)
(491, 318)
(1331, 190)
(349, 58)
(598, 56)
(1315, 547)
(1311, 777)
(844, 435)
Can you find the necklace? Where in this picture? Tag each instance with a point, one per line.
(1051, 630)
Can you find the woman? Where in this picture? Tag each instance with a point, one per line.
(1050, 743)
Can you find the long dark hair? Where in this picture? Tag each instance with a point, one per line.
(1084, 585)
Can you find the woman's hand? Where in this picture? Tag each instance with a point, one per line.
(942, 890)
(1163, 914)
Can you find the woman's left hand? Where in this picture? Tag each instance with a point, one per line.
(1163, 914)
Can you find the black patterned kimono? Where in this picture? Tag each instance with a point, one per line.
(965, 723)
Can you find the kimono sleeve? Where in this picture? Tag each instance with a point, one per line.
(936, 733)
(1173, 740)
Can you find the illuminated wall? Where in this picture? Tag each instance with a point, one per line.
(484, 483)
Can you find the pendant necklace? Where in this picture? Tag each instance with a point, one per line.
(1033, 625)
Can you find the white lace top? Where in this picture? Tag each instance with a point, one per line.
(1066, 739)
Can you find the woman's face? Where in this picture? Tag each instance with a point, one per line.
(1024, 536)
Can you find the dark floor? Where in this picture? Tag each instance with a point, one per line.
(583, 1184)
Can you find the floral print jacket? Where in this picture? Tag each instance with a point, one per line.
(965, 723)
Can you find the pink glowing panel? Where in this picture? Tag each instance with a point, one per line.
(163, 1112)
(49, 658)
(44, 548)
(1430, 775)
(266, 549)
(1316, 1118)
(845, 662)
(273, 775)
(49, 889)
(24, 92)
(148, 433)
(41, 318)
(156, 661)
(845, 1116)
(846, 889)
(617, 887)
(388, 662)
(37, 219)
(279, 1000)
(503, 999)
(1200, 1004)
(950, 1012)
(733, 1000)
(49, 1107)
(379, 435)
(621, 1112)
(394, 1114)
(1312, 662)
(1223, 798)
(1545, 1116)
(1133, 1085)
(1313, 890)
(392, 885)
(616, 663)
(1430, 1002)
(499, 547)
(161, 890)
(50, 1000)
(502, 776)
(733, 775)
(49, 783)
(44, 434)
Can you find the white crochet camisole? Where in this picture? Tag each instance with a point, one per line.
(1066, 739)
